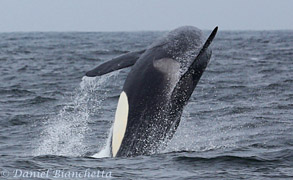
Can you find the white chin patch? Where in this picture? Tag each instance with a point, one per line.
(120, 123)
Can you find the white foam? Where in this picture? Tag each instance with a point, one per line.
(254, 58)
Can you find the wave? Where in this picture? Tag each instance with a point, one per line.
(110, 52)
(40, 99)
(229, 159)
(16, 92)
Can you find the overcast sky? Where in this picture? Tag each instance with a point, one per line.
(137, 15)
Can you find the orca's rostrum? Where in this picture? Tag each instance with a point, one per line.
(156, 89)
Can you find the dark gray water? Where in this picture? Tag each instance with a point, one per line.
(237, 125)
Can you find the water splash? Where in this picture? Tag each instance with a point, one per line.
(65, 133)
(106, 150)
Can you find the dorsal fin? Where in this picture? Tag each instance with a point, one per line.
(205, 46)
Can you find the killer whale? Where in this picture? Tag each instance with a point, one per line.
(156, 89)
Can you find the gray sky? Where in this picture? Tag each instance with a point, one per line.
(135, 15)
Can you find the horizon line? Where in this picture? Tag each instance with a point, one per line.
(130, 31)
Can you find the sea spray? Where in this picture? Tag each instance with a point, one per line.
(190, 136)
(106, 150)
(66, 133)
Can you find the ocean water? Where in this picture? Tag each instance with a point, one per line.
(55, 122)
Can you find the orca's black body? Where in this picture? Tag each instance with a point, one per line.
(158, 87)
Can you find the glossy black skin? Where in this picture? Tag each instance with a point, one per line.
(155, 109)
